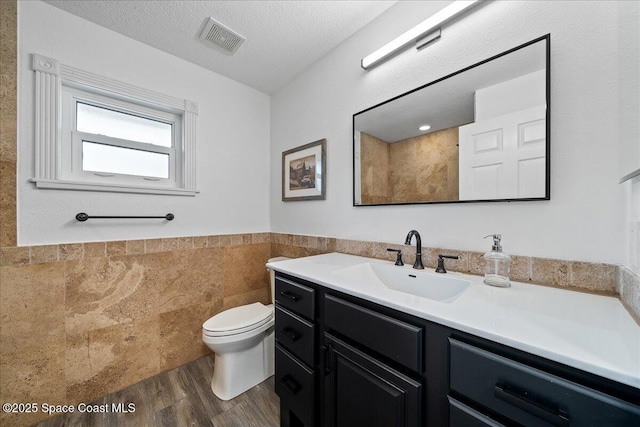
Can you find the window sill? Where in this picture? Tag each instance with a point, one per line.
(117, 188)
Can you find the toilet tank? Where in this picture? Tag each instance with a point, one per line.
(272, 275)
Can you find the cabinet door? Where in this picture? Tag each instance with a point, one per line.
(361, 391)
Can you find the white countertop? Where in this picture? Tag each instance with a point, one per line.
(589, 332)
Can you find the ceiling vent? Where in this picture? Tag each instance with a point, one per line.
(216, 33)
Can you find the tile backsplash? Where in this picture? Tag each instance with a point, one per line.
(629, 290)
(577, 275)
(600, 278)
(585, 276)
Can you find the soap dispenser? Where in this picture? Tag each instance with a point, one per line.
(497, 264)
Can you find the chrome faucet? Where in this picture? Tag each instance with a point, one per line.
(418, 264)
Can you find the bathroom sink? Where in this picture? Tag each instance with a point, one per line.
(425, 284)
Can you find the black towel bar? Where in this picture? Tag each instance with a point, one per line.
(83, 217)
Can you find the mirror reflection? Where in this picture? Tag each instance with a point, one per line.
(480, 134)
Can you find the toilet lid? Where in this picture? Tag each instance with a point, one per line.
(239, 318)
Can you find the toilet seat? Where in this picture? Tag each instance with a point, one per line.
(238, 320)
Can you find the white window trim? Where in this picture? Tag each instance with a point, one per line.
(50, 75)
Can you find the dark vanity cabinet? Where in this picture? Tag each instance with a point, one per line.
(342, 361)
(361, 386)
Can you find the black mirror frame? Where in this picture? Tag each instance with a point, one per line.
(547, 39)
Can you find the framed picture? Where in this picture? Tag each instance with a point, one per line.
(303, 172)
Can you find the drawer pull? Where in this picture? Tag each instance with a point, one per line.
(290, 333)
(290, 384)
(290, 296)
(327, 353)
(513, 397)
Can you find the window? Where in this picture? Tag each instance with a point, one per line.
(102, 135)
(113, 141)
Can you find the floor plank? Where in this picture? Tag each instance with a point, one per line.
(180, 397)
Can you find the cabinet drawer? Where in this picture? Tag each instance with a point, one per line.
(295, 334)
(294, 385)
(295, 297)
(392, 338)
(529, 396)
(460, 415)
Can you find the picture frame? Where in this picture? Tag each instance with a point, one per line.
(304, 172)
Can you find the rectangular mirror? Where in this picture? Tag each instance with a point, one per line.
(480, 134)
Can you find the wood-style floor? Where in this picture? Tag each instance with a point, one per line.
(181, 397)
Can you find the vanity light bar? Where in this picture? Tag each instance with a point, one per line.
(449, 12)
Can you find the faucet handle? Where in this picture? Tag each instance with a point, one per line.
(399, 258)
(440, 268)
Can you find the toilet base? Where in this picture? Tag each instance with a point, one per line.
(236, 372)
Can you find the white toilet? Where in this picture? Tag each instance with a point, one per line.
(242, 339)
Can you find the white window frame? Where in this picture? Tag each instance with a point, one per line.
(58, 146)
(72, 139)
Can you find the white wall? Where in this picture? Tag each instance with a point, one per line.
(512, 95)
(629, 87)
(232, 140)
(629, 111)
(584, 218)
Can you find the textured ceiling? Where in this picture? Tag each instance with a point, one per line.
(283, 37)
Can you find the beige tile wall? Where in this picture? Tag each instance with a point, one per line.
(425, 168)
(83, 320)
(8, 122)
(374, 170)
